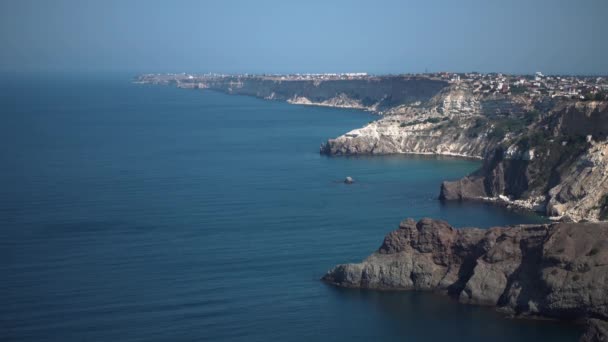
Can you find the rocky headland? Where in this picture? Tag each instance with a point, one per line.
(549, 156)
(556, 271)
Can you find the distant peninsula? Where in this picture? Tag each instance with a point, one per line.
(542, 138)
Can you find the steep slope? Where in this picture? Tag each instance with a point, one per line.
(558, 166)
(450, 123)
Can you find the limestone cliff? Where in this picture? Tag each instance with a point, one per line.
(555, 270)
(447, 124)
(453, 122)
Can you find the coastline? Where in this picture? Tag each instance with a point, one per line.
(438, 154)
(494, 200)
(435, 117)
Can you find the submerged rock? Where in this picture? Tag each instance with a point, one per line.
(555, 270)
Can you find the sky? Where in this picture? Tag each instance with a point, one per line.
(240, 36)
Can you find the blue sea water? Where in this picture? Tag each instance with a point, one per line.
(146, 213)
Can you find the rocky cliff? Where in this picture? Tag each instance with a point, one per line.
(455, 121)
(448, 124)
(555, 270)
(372, 93)
(543, 155)
(558, 166)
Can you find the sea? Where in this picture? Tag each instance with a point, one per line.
(132, 212)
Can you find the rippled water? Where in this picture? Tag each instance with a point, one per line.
(137, 213)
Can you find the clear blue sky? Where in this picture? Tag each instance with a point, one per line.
(376, 36)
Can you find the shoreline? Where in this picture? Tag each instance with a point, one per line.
(518, 138)
(579, 322)
(430, 154)
(513, 206)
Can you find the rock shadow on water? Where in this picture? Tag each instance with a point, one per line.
(427, 316)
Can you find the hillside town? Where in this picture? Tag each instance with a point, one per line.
(537, 85)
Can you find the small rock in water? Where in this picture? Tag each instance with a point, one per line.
(349, 180)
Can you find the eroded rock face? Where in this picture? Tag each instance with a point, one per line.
(597, 331)
(581, 194)
(555, 270)
(425, 135)
(436, 127)
(466, 188)
(560, 170)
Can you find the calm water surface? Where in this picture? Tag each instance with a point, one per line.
(147, 213)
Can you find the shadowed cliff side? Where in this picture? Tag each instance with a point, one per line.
(557, 167)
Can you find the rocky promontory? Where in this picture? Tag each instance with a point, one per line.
(549, 156)
(557, 271)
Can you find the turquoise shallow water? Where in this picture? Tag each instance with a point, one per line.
(147, 213)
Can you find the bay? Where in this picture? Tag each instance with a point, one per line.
(146, 213)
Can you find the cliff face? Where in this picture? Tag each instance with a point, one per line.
(430, 135)
(557, 167)
(558, 270)
(374, 93)
(455, 121)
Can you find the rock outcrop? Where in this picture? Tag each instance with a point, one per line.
(398, 134)
(450, 123)
(555, 270)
